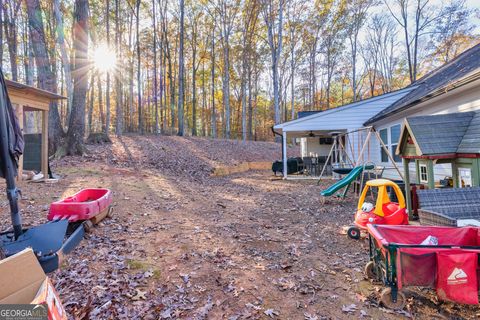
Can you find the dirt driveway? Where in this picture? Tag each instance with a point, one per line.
(185, 245)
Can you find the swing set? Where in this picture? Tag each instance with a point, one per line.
(342, 160)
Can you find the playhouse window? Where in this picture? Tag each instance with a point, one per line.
(423, 173)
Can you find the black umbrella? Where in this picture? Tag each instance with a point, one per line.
(11, 148)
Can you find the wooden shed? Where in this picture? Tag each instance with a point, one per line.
(452, 138)
(29, 99)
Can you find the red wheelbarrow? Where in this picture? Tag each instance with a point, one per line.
(88, 206)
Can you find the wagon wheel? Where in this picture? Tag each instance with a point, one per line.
(110, 212)
(354, 233)
(370, 271)
(322, 200)
(386, 299)
(88, 226)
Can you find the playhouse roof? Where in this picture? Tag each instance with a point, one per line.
(459, 71)
(443, 134)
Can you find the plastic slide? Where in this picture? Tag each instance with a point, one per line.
(345, 182)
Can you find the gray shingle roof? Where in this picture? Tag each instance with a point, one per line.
(447, 133)
(457, 69)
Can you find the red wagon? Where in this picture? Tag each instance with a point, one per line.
(86, 205)
(398, 258)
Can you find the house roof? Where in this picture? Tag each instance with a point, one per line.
(350, 116)
(453, 133)
(459, 71)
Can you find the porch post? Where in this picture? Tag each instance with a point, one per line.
(406, 173)
(430, 174)
(284, 154)
(44, 160)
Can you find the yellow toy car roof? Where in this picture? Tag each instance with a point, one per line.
(380, 182)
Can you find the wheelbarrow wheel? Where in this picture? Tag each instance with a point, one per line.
(88, 226)
(370, 271)
(387, 301)
(353, 233)
(110, 212)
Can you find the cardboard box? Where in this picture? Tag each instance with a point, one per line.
(22, 281)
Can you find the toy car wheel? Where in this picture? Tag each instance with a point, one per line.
(370, 271)
(386, 299)
(110, 212)
(88, 226)
(354, 233)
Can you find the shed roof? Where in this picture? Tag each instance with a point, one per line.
(33, 90)
(453, 133)
(455, 73)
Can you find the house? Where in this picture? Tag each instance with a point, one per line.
(452, 88)
(315, 130)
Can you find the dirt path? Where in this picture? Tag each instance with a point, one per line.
(191, 246)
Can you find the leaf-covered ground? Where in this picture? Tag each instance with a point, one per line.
(185, 245)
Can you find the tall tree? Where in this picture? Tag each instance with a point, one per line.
(118, 85)
(107, 89)
(139, 70)
(357, 16)
(155, 69)
(272, 11)
(11, 11)
(64, 54)
(181, 71)
(45, 74)
(74, 143)
(226, 11)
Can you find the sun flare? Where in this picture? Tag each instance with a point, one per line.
(104, 58)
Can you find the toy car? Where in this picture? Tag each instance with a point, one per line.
(384, 212)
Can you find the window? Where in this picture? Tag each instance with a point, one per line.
(394, 137)
(384, 137)
(465, 177)
(423, 173)
(390, 137)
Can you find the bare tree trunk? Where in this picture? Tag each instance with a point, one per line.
(100, 102)
(204, 101)
(64, 54)
(213, 111)
(181, 72)
(10, 12)
(107, 89)
(45, 75)
(118, 85)
(275, 43)
(76, 128)
(139, 66)
(90, 106)
(155, 72)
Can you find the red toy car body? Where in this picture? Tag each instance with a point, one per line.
(83, 205)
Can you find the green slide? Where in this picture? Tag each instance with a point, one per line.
(345, 182)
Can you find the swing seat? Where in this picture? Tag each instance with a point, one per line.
(343, 170)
